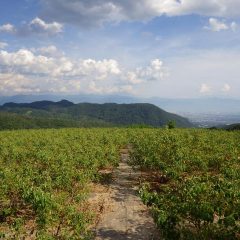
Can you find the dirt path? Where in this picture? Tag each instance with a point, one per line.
(124, 215)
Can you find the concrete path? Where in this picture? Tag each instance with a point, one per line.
(125, 216)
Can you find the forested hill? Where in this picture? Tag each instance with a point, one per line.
(233, 127)
(67, 114)
(229, 127)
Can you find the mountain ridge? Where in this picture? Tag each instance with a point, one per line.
(109, 113)
(177, 105)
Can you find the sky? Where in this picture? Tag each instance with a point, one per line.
(144, 48)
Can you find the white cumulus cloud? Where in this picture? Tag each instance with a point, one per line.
(49, 51)
(217, 25)
(205, 88)
(226, 88)
(36, 26)
(25, 62)
(154, 72)
(13, 83)
(37, 71)
(7, 28)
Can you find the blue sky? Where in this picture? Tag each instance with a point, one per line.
(146, 48)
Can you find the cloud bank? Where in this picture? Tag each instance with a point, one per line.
(38, 71)
(97, 12)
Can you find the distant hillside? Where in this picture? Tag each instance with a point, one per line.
(232, 127)
(228, 127)
(67, 114)
(39, 104)
(12, 121)
(194, 105)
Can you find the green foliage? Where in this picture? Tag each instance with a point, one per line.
(14, 121)
(233, 127)
(139, 126)
(199, 198)
(44, 178)
(171, 125)
(193, 188)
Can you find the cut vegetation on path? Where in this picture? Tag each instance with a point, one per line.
(124, 215)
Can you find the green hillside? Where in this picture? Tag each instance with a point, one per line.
(13, 121)
(229, 127)
(232, 127)
(47, 114)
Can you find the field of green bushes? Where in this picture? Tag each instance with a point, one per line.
(194, 184)
(191, 183)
